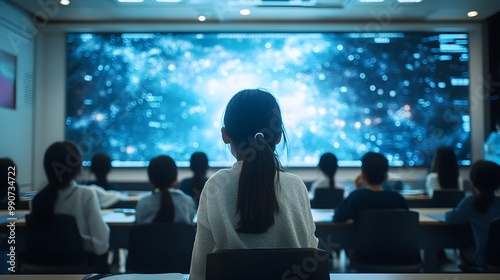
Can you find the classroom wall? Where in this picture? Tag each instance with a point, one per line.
(16, 125)
(50, 59)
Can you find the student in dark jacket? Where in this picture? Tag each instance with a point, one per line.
(101, 166)
(374, 172)
(194, 185)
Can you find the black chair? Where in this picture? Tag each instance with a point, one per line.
(446, 198)
(492, 252)
(53, 247)
(160, 248)
(327, 198)
(268, 264)
(387, 241)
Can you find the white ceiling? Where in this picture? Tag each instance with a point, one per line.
(261, 10)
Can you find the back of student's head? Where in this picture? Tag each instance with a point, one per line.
(100, 164)
(199, 163)
(62, 163)
(375, 167)
(199, 166)
(253, 122)
(162, 173)
(485, 177)
(328, 164)
(446, 166)
(8, 182)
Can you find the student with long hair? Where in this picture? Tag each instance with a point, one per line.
(62, 163)
(479, 209)
(444, 172)
(254, 204)
(328, 164)
(194, 185)
(166, 204)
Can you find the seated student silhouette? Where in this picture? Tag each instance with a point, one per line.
(374, 172)
(166, 204)
(444, 173)
(9, 189)
(194, 185)
(328, 164)
(100, 167)
(479, 209)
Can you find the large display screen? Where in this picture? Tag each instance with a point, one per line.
(138, 95)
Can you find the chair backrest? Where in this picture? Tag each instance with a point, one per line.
(447, 198)
(160, 248)
(327, 198)
(387, 236)
(492, 251)
(57, 243)
(264, 264)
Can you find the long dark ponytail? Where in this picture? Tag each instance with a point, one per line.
(162, 173)
(62, 163)
(253, 122)
(328, 164)
(485, 177)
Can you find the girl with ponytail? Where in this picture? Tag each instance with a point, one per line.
(166, 204)
(480, 208)
(62, 163)
(328, 164)
(254, 204)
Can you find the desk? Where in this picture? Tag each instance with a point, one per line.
(128, 199)
(434, 234)
(333, 276)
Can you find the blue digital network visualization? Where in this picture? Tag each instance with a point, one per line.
(138, 95)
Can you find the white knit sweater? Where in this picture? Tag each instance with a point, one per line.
(217, 219)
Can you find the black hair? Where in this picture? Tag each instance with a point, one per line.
(8, 182)
(375, 167)
(446, 166)
(162, 173)
(62, 163)
(101, 166)
(485, 177)
(253, 122)
(328, 164)
(199, 166)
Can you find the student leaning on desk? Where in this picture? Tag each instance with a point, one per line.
(272, 206)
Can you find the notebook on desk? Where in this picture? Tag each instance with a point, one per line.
(437, 216)
(163, 276)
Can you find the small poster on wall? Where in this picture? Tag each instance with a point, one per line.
(7, 80)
